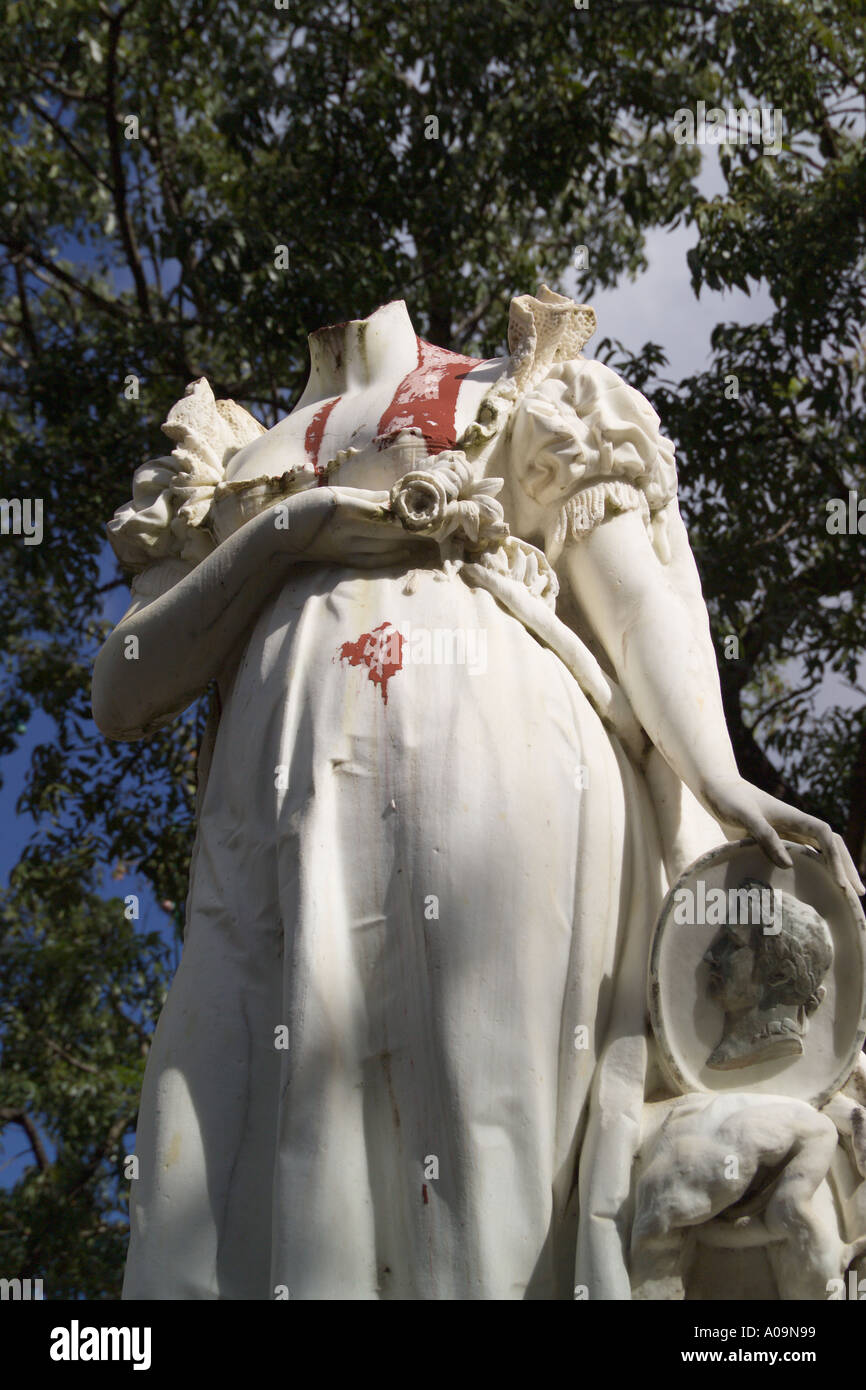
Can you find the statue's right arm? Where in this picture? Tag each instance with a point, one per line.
(185, 635)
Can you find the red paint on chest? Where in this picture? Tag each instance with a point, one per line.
(426, 398)
(381, 651)
(313, 438)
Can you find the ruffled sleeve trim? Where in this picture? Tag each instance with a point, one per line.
(589, 507)
(585, 445)
(168, 515)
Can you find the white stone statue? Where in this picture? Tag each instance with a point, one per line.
(469, 731)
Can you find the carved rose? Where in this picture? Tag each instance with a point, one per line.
(420, 501)
(445, 500)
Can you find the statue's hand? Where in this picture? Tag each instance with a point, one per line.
(349, 526)
(742, 806)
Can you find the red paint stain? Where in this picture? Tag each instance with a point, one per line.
(426, 398)
(313, 438)
(424, 1194)
(381, 651)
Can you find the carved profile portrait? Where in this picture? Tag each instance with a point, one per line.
(767, 975)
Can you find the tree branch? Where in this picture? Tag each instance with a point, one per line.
(124, 221)
(140, 1031)
(88, 1169)
(64, 136)
(67, 1057)
(12, 1116)
(784, 700)
(855, 829)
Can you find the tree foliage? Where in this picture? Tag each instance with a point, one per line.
(80, 991)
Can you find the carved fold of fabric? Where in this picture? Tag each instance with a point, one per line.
(172, 496)
(586, 444)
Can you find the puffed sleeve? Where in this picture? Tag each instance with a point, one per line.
(171, 496)
(586, 445)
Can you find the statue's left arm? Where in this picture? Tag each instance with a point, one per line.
(654, 628)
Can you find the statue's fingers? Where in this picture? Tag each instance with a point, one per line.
(768, 840)
(850, 868)
(365, 510)
(375, 497)
(810, 830)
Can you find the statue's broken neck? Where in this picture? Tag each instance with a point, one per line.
(353, 356)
